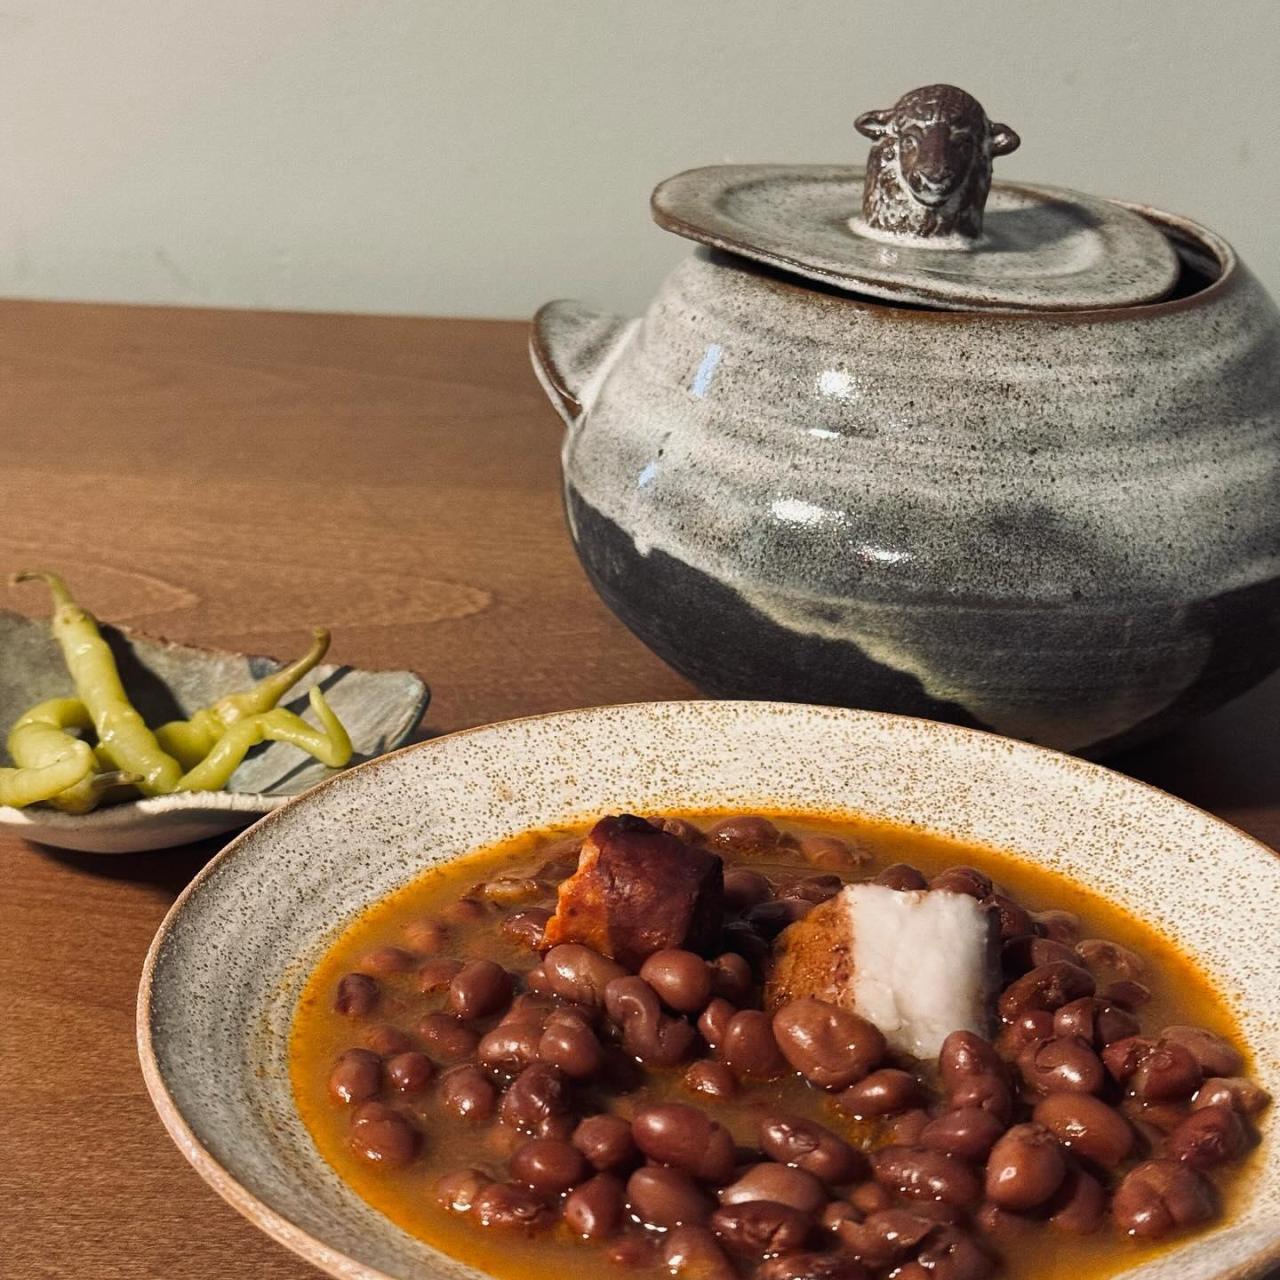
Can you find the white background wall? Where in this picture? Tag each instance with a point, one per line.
(481, 156)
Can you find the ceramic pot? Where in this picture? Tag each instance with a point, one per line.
(1059, 524)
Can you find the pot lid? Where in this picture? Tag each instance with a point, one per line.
(923, 223)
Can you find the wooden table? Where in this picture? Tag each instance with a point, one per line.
(232, 478)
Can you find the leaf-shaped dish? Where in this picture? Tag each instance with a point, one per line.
(380, 710)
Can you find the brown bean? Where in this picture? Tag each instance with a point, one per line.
(830, 1046)
(793, 1140)
(886, 1236)
(747, 831)
(509, 1047)
(1235, 1092)
(507, 1206)
(1030, 951)
(357, 996)
(871, 1197)
(638, 1249)
(1061, 926)
(1099, 953)
(457, 1192)
(949, 1254)
(356, 1077)
(593, 1210)
(714, 1021)
(1161, 1196)
(380, 1135)
(921, 1174)
(467, 1093)
(577, 973)
(1087, 1126)
(410, 1072)
(966, 880)
(1157, 1071)
(769, 919)
(647, 1034)
(606, 1141)
(466, 910)
(427, 936)
(436, 973)
(965, 1054)
(526, 927)
(831, 852)
(1126, 993)
(812, 1266)
(548, 1165)
(777, 1182)
(1214, 1055)
(1033, 1027)
(539, 1093)
(748, 1046)
(681, 979)
(881, 1093)
(901, 875)
(815, 889)
(1014, 920)
(478, 989)
(386, 1040)
(383, 962)
(905, 1128)
(761, 1228)
(710, 1078)
(446, 1038)
(987, 1092)
(836, 1212)
(1208, 1137)
(1094, 1021)
(693, 1252)
(744, 889)
(672, 1133)
(1048, 986)
(968, 1133)
(741, 938)
(1064, 1064)
(731, 978)
(662, 1197)
(573, 1047)
(1025, 1168)
(535, 979)
(681, 828)
(1079, 1206)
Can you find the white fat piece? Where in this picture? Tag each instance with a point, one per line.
(924, 964)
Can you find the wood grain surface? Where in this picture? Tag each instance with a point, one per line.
(233, 478)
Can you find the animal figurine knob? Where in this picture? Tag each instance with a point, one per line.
(929, 171)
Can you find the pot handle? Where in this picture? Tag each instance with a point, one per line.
(572, 347)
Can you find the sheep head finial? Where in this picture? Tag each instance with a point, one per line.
(929, 170)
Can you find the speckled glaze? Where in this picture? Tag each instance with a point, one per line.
(225, 971)
(380, 709)
(1064, 527)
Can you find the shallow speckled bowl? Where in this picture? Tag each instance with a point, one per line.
(225, 971)
(380, 709)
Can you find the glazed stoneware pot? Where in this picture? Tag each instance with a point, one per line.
(1020, 473)
(225, 973)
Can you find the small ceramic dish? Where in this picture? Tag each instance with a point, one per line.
(223, 976)
(380, 709)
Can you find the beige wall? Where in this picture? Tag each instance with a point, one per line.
(481, 156)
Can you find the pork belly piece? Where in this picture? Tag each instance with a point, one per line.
(638, 890)
(917, 963)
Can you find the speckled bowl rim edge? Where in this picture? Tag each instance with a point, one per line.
(341, 1265)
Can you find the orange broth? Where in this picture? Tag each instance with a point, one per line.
(1180, 993)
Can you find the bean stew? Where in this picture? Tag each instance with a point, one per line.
(774, 1047)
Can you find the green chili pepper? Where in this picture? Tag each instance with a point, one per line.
(331, 744)
(123, 737)
(189, 741)
(39, 738)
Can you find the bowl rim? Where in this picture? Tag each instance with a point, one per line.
(342, 1265)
